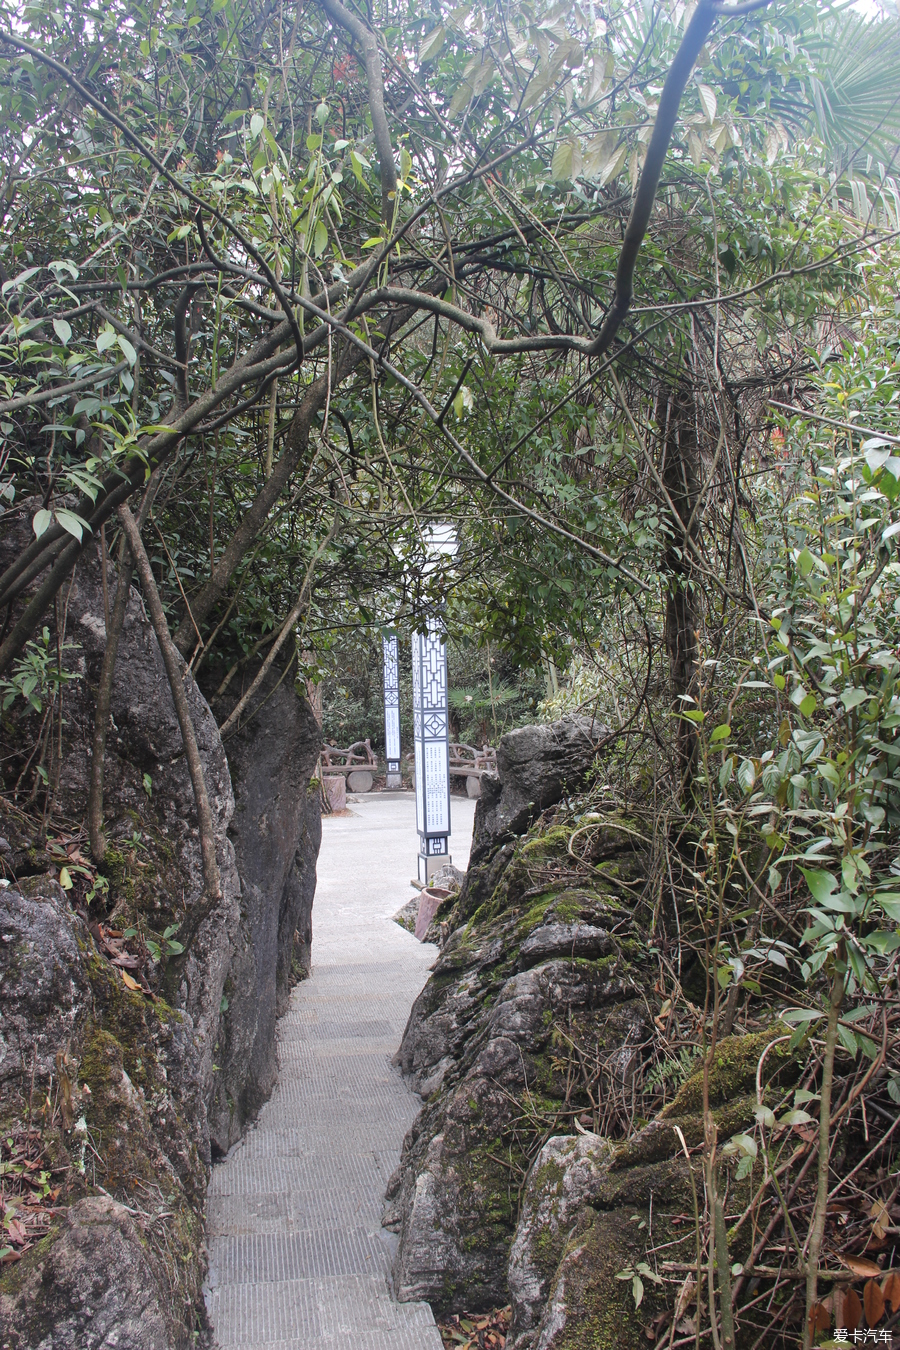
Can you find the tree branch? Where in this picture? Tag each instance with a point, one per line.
(252, 522)
(179, 697)
(13, 41)
(364, 36)
(698, 30)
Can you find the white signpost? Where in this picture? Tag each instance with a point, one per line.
(431, 740)
(392, 711)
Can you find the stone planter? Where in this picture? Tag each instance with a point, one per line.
(430, 901)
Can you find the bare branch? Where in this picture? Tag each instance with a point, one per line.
(60, 390)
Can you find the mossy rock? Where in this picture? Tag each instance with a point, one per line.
(732, 1072)
(592, 1307)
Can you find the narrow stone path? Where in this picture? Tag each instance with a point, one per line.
(298, 1258)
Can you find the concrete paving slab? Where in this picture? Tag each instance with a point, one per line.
(298, 1259)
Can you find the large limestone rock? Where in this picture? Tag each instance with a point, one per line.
(154, 862)
(128, 1116)
(582, 1224)
(44, 990)
(536, 766)
(543, 971)
(564, 1177)
(593, 1209)
(99, 1286)
(531, 1029)
(144, 1084)
(276, 830)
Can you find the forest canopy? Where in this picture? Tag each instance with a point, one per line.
(609, 288)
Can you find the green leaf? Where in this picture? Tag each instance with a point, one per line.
(374, 241)
(615, 165)
(62, 330)
(460, 99)
(707, 102)
(746, 1143)
(795, 1118)
(127, 350)
(808, 705)
(320, 239)
(883, 943)
(432, 43)
(693, 715)
(257, 122)
(848, 1040)
(721, 733)
(73, 523)
(746, 776)
(821, 884)
(19, 280)
(805, 562)
(566, 162)
(65, 879)
(796, 1016)
(106, 337)
(41, 520)
(358, 162)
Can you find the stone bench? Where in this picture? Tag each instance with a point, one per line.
(467, 762)
(472, 764)
(357, 764)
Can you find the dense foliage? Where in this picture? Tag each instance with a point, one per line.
(611, 291)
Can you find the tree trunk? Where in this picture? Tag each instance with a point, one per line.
(681, 475)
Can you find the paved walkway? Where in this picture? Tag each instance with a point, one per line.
(298, 1258)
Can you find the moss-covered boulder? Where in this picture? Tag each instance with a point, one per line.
(533, 1017)
(117, 1076)
(138, 1024)
(97, 1281)
(530, 1174)
(593, 1302)
(593, 1210)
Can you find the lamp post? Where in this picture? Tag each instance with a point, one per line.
(431, 741)
(393, 778)
(431, 722)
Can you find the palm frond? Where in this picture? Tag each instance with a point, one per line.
(855, 92)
